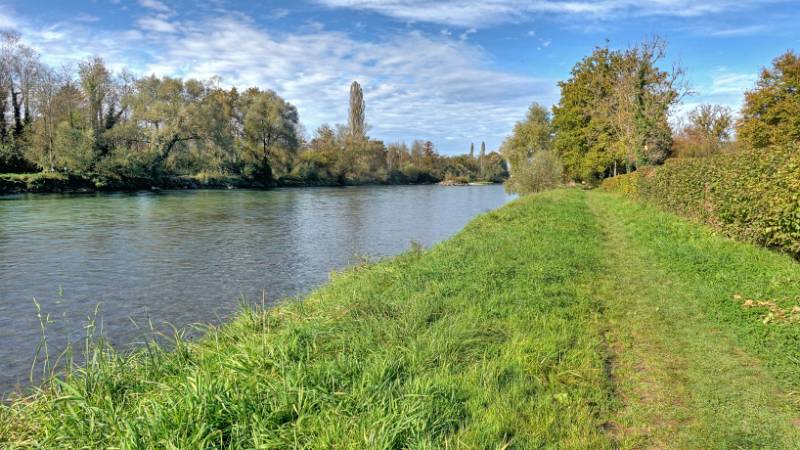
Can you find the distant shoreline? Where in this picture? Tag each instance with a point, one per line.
(55, 183)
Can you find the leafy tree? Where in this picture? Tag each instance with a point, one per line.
(641, 99)
(270, 130)
(73, 148)
(533, 166)
(614, 110)
(95, 80)
(709, 130)
(771, 111)
(582, 131)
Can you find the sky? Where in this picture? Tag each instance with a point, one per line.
(451, 71)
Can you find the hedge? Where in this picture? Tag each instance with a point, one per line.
(753, 195)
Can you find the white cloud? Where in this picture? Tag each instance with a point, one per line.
(155, 5)
(722, 87)
(469, 13)
(156, 24)
(7, 21)
(725, 83)
(465, 35)
(415, 85)
(279, 13)
(738, 31)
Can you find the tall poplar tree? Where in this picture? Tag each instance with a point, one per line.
(356, 120)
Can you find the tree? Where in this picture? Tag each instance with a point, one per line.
(117, 129)
(709, 129)
(95, 80)
(771, 111)
(614, 110)
(73, 148)
(270, 129)
(472, 150)
(640, 101)
(533, 166)
(530, 135)
(356, 114)
(482, 161)
(19, 66)
(46, 96)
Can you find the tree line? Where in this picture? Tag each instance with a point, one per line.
(613, 117)
(117, 129)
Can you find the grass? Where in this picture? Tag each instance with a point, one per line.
(570, 319)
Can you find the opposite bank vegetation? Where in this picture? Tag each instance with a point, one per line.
(94, 129)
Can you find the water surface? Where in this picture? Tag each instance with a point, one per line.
(188, 257)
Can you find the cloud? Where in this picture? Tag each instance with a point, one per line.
(738, 31)
(155, 5)
(156, 24)
(723, 87)
(415, 85)
(476, 13)
(725, 83)
(465, 35)
(279, 13)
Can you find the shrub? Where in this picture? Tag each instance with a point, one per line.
(752, 195)
(545, 171)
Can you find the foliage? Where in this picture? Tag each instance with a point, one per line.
(122, 131)
(613, 111)
(534, 167)
(544, 172)
(356, 120)
(771, 111)
(708, 132)
(749, 194)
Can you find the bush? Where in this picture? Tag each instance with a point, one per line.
(752, 195)
(544, 172)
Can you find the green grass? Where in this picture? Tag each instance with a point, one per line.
(569, 319)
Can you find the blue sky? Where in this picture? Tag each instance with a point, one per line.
(453, 71)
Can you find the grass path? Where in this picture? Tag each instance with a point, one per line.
(685, 379)
(568, 320)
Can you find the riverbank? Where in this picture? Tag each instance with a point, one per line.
(570, 319)
(55, 182)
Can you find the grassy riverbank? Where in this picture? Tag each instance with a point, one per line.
(570, 319)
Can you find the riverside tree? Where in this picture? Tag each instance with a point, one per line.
(113, 129)
(533, 166)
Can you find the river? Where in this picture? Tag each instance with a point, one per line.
(188, 257)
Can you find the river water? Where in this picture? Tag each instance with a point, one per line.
(189, 257)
